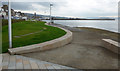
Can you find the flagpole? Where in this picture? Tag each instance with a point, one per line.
(9, 24)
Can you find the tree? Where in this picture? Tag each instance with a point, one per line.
(5, 8)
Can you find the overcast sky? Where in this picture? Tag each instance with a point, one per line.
(72, 8)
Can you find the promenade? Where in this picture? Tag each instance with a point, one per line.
(86, 51)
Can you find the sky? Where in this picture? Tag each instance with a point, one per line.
(69, 8)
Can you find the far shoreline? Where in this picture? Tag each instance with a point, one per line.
(80, 19)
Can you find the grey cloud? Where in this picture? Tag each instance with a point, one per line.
(28, 5)
(101, 7)
(21, 6)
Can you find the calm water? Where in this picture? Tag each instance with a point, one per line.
(110, 25)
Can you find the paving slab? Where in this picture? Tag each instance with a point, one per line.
(18, 63)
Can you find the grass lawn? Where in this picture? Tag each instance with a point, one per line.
(44, 33)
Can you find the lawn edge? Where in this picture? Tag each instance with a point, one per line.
(58, 42)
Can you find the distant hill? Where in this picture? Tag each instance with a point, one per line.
(100, 18)
(69, 18)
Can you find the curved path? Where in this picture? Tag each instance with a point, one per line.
(84, 52)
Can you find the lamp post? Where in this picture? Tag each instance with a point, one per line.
(51, 13)
(9, 24)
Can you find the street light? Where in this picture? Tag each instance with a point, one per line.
(50, 13)
(9, 24)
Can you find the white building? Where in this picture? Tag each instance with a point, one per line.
(2, 12)
(45, 17)
(17, 14)
(25, 18)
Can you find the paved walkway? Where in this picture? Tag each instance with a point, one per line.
(86, 51)
(22, 62)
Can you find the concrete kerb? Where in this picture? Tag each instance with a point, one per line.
(111, 45)
(67, 38)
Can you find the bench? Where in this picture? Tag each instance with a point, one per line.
(112, 45)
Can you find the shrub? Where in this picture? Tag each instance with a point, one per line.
(5, 21)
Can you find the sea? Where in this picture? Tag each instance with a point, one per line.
(110, 25)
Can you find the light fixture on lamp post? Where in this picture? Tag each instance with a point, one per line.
(9, 24)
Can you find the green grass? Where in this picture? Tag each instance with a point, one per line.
(26, 27)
